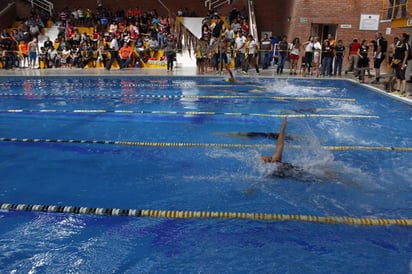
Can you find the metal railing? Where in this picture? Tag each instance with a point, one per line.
(43, 4)
(164, 6)
(7, 8)
(210, 4)
(252, 20)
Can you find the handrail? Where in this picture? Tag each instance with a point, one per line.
(217, 3)
(9, 5)
(161, 3)
(252, 20)
(43, 4)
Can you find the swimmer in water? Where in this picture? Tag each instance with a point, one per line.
(277, 155)
(231, 78)
(257, 134)
(282, 169)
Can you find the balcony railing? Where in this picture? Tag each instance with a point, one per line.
(42, 4)
(214, 4)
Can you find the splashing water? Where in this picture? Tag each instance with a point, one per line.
(285, 87)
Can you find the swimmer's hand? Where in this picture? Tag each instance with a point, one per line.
(285, 122)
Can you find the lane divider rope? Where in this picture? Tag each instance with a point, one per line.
(177, 214)
(182, 144)
(191, 113)
(99, 95)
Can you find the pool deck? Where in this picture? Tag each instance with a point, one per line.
(186, 71)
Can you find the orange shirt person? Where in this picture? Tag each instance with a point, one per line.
(24, 49)
(125, 53)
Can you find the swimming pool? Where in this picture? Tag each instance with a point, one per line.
(176, 144)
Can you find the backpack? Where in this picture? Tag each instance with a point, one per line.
(409, 51)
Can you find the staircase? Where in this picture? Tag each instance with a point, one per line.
(42, 4)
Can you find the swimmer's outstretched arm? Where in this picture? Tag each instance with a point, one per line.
(277, 155)
(231, 78)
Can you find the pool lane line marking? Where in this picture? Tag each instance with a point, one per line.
(192, 113)
(198, 145)
(179, 214)
(282, 98)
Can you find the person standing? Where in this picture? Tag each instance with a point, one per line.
(332, 43)
(252, 54)
(363, 60)
(327, 55)
(308, 45)
(240, 48)
(400, 62)
(33, 48)
(170, 51)
(266, 49)
(391, 53)
(283, 51)
(379, 53)
(317, 47)
(353, 57)
(294, 55)
(24, 49)
(339, 51)
(114, 53)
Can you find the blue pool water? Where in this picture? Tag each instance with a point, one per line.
(354, 145)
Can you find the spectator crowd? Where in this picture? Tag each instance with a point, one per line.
(132, 37)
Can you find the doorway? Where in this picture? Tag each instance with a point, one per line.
(322, 30)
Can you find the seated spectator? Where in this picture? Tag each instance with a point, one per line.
(76, 38)
(125, 53)
(80, 14)
(4, 49)
(76, 55)
(43, 57)
(87, 54)
(102, 50)
(66, 58)
(89, 18)
(34, 30)
(103, 22)
(113, 28)
(14, 50)
(153, 47)
(134, 31)
(54, 58)
(62, 29)
(139, 45)
(144, 23)
(62, 43)
(47, 44)
(19, 35)
(164, 24)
